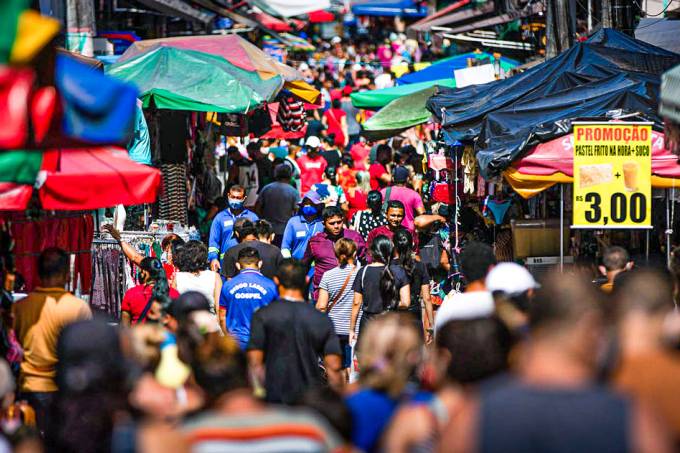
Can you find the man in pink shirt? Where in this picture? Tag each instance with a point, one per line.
(413, 203)
(312, 165)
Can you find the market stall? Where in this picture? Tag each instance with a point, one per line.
(520, 127)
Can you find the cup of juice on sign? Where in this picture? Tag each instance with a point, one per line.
(630, 175)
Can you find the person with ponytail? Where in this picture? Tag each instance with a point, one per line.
(419, 281)
(144, 302)
(336, 295)
(379, 287)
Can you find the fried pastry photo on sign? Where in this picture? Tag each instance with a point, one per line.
(592, 175)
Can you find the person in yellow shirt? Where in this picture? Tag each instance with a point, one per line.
(38, 321)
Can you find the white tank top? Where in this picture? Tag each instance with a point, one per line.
(203, 283)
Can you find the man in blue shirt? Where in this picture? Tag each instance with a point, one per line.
(244, 294)
(302, 227)
(222, 229)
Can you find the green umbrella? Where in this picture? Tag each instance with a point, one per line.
(179, 79)
(376, 99)
(399, 115)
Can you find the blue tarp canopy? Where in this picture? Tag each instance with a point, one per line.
(390, 8)
(609, 75)
(443, 69)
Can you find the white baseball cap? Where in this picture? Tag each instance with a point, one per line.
(313, 142)
(510, 278)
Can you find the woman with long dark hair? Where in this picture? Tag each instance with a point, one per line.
(419, 281)
(146, 301)
(379, 287)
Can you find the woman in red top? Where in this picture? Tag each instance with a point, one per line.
(357, 195)
(144, 302)
(335, 120)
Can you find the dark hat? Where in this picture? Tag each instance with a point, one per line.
(186, 303)
(400, 174)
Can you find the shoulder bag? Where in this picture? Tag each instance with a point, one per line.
(342, 290)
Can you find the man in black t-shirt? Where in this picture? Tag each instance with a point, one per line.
(287, 339)
(257, 235)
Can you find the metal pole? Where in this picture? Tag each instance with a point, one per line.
(668, 229)
(647, 246)
(590, 16)
(561, 227)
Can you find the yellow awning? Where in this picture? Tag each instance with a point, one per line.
(303, 90)
(531, 185)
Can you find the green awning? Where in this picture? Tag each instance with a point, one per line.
(179, 79)
(376, 99)
(399, 115)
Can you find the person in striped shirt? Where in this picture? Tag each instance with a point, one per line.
(237, 421)
(336, 295)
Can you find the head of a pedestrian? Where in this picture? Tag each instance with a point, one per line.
(336, 103)
(389, 352)
(374, 201)
(331, 174)
(400, 176)
(291, 278)
(644, 304)
(53, 268)
(236, 198)
(311, 206)
(248, 258)
(264, 231)
(470, 350)
(395, 214)
(219, 367)
(92, 376)
(566, 316)
(193, 257)
(282, 173)
(254, 150)
(244, 230)
(383, 154)
(234, 154)
(170, 244)
(476, 260)
(312, 144)
(333, 219)
(615, 260)
(345, 251)
(364, 182)
(151, 272)
(512, 287)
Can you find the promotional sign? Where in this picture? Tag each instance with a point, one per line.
(612, 175)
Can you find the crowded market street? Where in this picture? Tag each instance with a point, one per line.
(339, 226)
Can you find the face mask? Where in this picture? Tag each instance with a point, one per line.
(309, 211)
(235, 203)
(164, 257)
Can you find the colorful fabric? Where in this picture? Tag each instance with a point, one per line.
(261, 432)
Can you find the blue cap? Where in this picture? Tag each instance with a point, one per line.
(312, 196)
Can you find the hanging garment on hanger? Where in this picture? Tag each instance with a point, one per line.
(469, 164)
(173, 200)
(498, 208)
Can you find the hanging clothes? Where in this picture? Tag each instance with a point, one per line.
(72, 233)
(108, 281)
(172, 204)
(469, 164)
